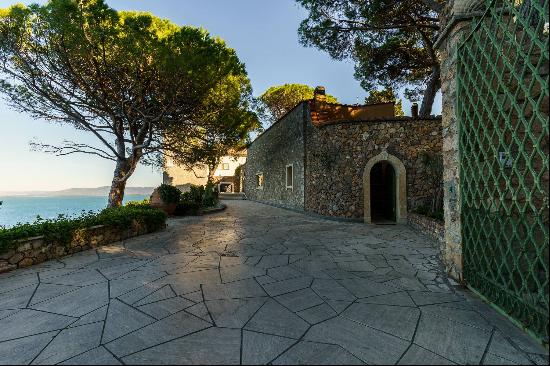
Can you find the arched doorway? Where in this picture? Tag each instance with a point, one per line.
(393, 171)
(382, 193)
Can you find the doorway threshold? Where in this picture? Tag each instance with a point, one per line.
(384, 222)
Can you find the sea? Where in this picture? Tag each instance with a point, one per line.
(24, 209)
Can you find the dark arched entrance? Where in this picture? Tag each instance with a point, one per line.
(382, 193)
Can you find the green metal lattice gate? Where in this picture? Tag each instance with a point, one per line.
(502, 103)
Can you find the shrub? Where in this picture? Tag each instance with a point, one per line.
(194, 195)
(145, 203)
(62, 228)
(198, 197)
(187, 208)
(210, 196)
(169, 194)
(154, 219)
(190, 202)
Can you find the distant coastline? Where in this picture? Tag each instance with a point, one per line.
(22, 208)
(97, 191)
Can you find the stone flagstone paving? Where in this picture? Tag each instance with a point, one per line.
(253, 285)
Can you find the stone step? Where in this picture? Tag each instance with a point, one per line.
(232, 196)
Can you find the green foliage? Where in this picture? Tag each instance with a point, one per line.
(433, 166)
(226, 122)
(385, 96)
(210, 196)
(238, 171)
(390, 41)
(169, 194)
(125, 77)
(123, 217)
(196, 198)
(278, 100)
(144, 203)
(194, 195)
(187, 208)
(62, 228)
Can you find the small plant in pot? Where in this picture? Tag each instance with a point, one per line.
(166, 197)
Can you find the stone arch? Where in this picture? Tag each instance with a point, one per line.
(400, 189)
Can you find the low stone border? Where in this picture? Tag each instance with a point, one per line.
(36, 250)
(432, 228)
(207, 211)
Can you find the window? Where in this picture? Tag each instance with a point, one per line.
(260, 180)
(289, 176)
(225, 166)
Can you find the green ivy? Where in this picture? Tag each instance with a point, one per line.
(62, 228)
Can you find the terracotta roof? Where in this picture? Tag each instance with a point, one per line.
(323, 113)
(396, 119)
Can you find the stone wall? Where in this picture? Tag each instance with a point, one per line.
(432, 228)
(454, 31)
(37, 250)
(337, 153)
(280, 145)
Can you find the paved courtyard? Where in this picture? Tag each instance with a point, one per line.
(253, 285)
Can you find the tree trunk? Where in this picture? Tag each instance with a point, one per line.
(212, 166)
(434, 84)
(211, 172)
(116, 195)
(124, 168)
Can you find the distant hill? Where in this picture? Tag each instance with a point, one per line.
(99, 191)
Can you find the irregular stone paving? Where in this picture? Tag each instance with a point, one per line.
(253, 285)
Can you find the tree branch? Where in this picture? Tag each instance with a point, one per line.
(434, 5)
(369, 27)
(70, 147)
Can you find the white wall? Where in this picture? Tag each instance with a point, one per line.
(233, 164)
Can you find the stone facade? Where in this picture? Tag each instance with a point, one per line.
(37, 250)
(432, 228)
(279, 146)
(337, 155)
(329, 157)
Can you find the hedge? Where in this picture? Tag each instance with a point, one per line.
(61, 229)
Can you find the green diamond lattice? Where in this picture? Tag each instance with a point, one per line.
(502, 103)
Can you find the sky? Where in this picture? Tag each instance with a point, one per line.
(264, 35)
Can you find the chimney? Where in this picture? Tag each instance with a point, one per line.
(319, 94)
(414, 110)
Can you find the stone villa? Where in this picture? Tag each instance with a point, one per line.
(224, 176)
(359, 162)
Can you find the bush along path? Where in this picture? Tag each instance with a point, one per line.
(198, 200)
(33, 243)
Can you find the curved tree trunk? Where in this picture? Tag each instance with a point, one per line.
(211, 172)
(433, 86)
(124, 169)
(116, 195)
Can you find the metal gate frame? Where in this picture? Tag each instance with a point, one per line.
(502, 110)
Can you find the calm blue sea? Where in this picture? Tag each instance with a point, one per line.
(15, 209)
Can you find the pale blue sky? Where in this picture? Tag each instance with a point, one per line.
(264, 34)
